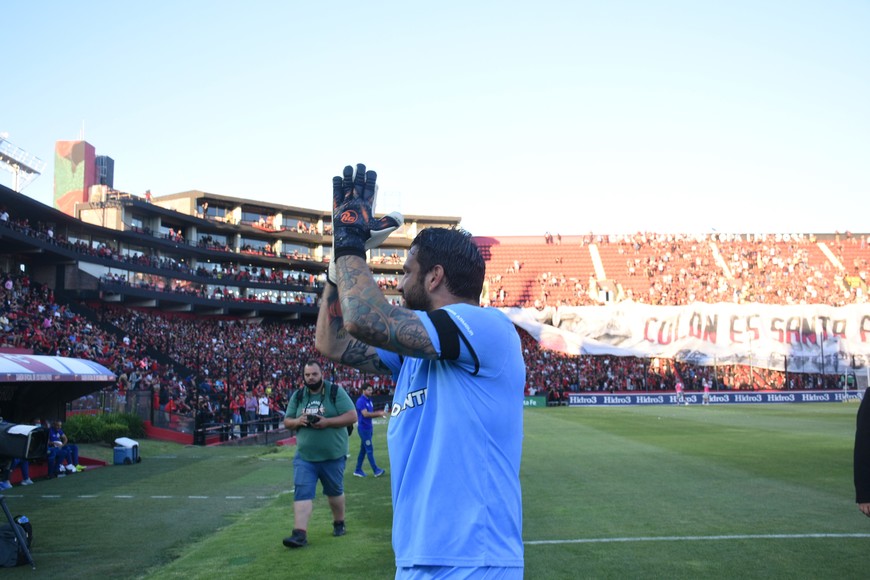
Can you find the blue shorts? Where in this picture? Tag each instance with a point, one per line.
(306, 475)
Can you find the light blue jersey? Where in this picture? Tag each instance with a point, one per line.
(455, 442)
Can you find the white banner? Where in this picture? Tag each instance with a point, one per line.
(800, 339)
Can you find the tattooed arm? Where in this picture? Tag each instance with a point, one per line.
(368, 317)
(334, 342)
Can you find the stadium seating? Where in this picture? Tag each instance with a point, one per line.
(212, 360)
(676, 269)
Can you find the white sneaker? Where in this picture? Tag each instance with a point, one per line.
(27, 481)
(70, 468)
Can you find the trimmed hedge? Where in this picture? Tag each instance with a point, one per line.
(103, 428)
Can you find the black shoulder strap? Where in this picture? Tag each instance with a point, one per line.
(448, 334)
(333, 393)
(473, 354)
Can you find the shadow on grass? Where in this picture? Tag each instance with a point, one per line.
(189, 512)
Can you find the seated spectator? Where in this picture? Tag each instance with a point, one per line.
(65, 451)
(6, 472)
(52, 455)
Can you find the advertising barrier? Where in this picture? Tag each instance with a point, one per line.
(535, 402)
(716, 398)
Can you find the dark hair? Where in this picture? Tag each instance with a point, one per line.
(456, 252)
(312, 363)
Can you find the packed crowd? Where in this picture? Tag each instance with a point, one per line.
(668, 269)
(678, 269)
(225, 357)
(554, 375)
(781, 274)
(194, 289)
(227, 371)
(233, 271)
(31, 319)
(554, 283)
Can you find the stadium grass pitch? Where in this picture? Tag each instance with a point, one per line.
(739, 491)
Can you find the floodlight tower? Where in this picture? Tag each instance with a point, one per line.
(23, 166)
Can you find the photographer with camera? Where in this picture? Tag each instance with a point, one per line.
(320, 413)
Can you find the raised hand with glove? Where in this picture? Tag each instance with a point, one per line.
(355, 229)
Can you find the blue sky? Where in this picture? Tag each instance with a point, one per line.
(519, 117)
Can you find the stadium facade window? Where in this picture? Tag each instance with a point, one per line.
(289, 249)
(294, 277)
(281, 296)
(250, 217)
(387, 281)
(228, 292)
(133, 251)
(148, 281)
(388, 255)
(88, 243)
(164, 230)
(298, 225)
(250, 245)
(213, 240)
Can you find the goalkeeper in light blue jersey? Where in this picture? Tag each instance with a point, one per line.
(455, 433)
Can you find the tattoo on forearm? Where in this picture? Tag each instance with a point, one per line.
(412, 334)
(335, 320)
(376, 322)
(358, 354)
(334, 307)
(373, 324)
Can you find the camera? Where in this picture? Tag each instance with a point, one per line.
(23, 441)
(312, 419)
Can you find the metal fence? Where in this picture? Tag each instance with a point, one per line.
(140, 403)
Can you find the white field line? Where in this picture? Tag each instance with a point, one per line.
(693, 538)
(94, 496)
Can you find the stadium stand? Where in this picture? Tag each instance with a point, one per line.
(524, 271)
(185, 312)
(676, 269)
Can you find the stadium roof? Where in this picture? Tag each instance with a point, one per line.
(41, 386)
(28, 368)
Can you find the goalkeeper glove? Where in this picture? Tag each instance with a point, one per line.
(354, 228)
(352, 202)
(383, 228)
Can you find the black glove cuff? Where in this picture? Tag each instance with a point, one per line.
(349, 241)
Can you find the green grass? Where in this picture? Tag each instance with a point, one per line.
(590, 476)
